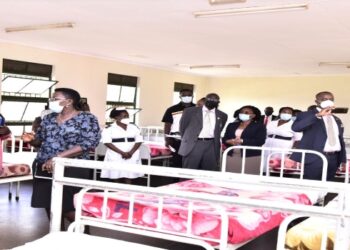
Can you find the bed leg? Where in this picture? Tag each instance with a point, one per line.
(10, 191)
(17, 190)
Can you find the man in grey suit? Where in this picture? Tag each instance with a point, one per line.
(200, 129)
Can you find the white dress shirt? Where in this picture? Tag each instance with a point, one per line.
(208, 128)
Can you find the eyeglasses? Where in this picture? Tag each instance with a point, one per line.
(52, 99)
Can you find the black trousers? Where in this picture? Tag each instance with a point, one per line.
(176, 160)
(41, 197)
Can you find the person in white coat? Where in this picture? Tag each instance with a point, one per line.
(280, 134)
(122, 140)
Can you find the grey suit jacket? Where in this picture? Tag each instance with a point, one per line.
(191, 124)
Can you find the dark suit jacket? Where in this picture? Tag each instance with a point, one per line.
(191, 124)
(253, 135)
(315, 136)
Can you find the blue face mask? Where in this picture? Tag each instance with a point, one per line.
(244, 117)
(293, 118)
(285, 116)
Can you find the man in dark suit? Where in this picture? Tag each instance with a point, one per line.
(200, 129)
(322, 132)
(268, 117)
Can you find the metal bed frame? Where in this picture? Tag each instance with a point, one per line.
(284, 152)
(258, 181)
(16, 157)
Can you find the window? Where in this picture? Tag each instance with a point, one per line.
(178, 86)
(121, 91)
(25, 88)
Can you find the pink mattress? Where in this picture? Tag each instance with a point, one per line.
(244, 223)
(158, 150)
(342, 170)
(11, 169)
(289, 166)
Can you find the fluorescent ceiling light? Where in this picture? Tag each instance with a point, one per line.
(347, 64)
(214, 66)
(40, 27)
(250, 10)
(226, 1)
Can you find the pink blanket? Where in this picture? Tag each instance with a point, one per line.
(289, 165)
(158, 150)
(12, 169)
(244, 223)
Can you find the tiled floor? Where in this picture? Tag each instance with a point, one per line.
(19, 223)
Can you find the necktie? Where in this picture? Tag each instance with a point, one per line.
(207, 124)
(266, 120)
(330, 131)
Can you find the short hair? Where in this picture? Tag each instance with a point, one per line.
(186, 90)
(236, 113)
(269, 107)
(255, 110)
(212, 95)
(318, 95)
(71, 94)
(290, 108)
(115, 113)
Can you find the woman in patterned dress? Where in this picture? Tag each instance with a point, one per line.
(66, 132)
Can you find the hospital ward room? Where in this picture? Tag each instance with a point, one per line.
(182, 125)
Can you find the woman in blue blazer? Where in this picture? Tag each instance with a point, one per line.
(247, 131)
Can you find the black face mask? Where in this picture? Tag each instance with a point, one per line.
(268, 113)
(211, 104)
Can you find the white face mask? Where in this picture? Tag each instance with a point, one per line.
(244, 117)
(55, 106)
(326, 104)
(285, 116)
(125, 121)
(186, 99)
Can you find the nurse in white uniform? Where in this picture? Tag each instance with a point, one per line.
(122, 140)
(280, 133)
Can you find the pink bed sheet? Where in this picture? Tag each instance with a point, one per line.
(289, 166)
(342, 170)
(11, 169)
(158, 150)
(244, 223)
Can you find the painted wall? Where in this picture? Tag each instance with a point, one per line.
(297, 92)
(88, 75)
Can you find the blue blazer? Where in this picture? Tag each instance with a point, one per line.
(253, 135)
(315, 136)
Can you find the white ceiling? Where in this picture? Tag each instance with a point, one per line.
(164, 33)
